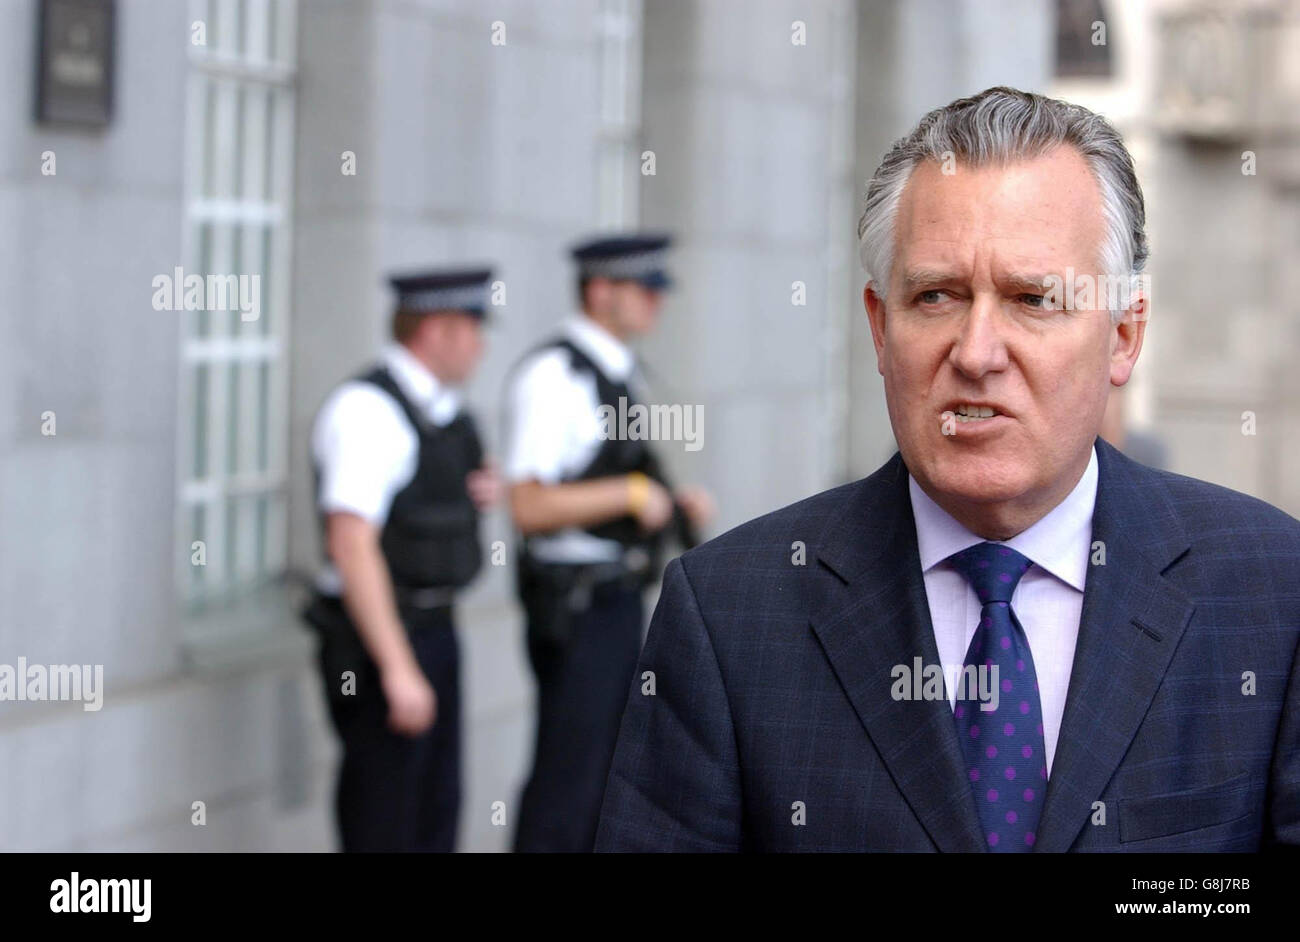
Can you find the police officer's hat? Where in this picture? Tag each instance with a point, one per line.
(634, 257)
(462, 289)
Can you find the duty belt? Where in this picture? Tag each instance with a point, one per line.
(424, 599)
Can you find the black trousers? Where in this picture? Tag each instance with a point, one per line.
(582, 689)
(395, 792)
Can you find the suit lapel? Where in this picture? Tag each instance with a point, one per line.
(1131, 623)
(876, 617)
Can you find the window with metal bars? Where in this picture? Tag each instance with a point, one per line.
(232, 513)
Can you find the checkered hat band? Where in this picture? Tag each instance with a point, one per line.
(637, 265)
(469, 297)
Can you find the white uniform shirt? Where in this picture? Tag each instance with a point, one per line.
(364, 446)
(552, 427)
(1048, 600)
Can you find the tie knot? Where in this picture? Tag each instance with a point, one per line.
(992, 569)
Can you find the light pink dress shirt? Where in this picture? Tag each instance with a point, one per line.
(1048, 599)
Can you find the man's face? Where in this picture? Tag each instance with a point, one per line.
(456, 342)
(963, 324)
(632, 309)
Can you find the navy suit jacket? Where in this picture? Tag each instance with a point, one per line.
(768, 723)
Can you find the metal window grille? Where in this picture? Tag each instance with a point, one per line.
(234, 383)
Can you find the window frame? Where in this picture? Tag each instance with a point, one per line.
(233, 392)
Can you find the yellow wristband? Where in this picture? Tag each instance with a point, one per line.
(638, 492)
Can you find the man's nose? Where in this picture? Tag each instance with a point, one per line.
(980, 347)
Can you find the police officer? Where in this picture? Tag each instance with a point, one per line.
(401, 480)
(591, 509)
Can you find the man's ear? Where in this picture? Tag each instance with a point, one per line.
(1126, 340)
(875, 305)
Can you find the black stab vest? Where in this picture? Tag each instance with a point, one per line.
(430, 538)
(615, 456)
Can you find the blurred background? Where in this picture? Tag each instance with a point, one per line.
(216, 136)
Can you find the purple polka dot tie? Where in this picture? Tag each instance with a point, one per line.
(1005, 759)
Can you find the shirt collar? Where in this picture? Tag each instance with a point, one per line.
(612, 355)
(1059, 542)
(417, 383)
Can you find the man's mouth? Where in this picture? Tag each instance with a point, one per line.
(973, 413)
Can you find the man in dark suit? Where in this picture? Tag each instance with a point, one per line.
(1010, 637)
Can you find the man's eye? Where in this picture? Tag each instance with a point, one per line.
(1033, 300)
(931, 297)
